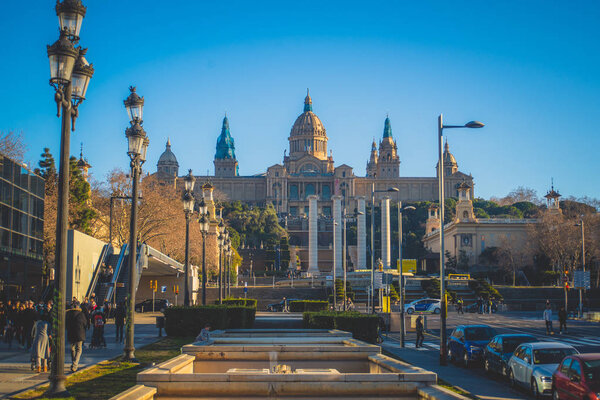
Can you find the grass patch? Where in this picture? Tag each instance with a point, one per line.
(112, 377)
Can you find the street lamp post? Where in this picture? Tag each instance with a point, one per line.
(188, 208)
(334, 260)
(204, 225)
(582, 225)
(441, 127)
(70, 74)
(137, 148)
(401, 277)
(220, 239)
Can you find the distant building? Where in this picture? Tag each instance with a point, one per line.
(21, 229)
(473, 235)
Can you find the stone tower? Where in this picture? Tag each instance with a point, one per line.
(388, 164)
(464, 207)
(552, 201)
(372, 164)
(433, 220)
(308, 136)
(226, 164)
(167, 164)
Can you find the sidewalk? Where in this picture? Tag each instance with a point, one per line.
(15, 367)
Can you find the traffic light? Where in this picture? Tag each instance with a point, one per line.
(176, 289)
(153, 285)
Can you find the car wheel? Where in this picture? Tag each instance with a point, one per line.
(410, 311)
(437, 311)
(511, 378)
(504, 371)
(486, 366)
(555, 395)
(466, 360)
(534, 389)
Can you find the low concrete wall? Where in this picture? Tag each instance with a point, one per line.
(269, 295)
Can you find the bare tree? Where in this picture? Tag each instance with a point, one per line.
(12, 145)
(518, 195)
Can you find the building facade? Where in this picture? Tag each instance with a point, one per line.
(308, 169)
(21, 228)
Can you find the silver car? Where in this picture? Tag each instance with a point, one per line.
(532, 365)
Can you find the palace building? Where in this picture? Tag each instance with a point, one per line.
(309, 169)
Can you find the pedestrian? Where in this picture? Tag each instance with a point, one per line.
(479, 305)
(40, 351)
(120, 321)
(420, 332)
(76, 325)
(562, 319)
(548, 319)
(459, 308)
(29, 318)
(204, 335)
(99, 321)
(285, 305)
(490, 304)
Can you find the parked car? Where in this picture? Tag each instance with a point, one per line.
(424, 306)
(533, 364)
(577, 378)
(499, 350)
(467, 342)
(279, 306)
(159, 305)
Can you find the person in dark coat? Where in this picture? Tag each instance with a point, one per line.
(30, 316)
(562, 320)
(40, 352)
(120, 314)
(420, 332)
(76, 324)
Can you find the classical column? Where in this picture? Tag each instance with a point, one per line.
(385, 232)
(337, 246)
(361, 234)
(313, 250)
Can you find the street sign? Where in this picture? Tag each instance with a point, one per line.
(581, 280)
(163, 289)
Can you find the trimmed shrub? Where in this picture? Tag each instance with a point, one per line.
(239, 302)
(362, 326)
(308, 305)
(189, 321)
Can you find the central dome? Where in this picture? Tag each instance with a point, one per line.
(307, 123)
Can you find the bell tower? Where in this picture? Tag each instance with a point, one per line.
(433, 220)
(464, 207)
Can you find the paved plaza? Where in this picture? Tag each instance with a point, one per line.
(15, 367)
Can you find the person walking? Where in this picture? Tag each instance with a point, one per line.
(120, 314)
(459, 306)
(420, 332)
(562, 320)
(479, 305)
(548, 319)
(76, 325)
(99, 321)
(40, 350)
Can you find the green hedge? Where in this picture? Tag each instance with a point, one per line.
(362, 326)
(308, 305)
(189, 321)
(239, 302)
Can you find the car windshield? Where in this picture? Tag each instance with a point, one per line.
(479, 333)
(591, 369)
(551, 356)
(510, 344)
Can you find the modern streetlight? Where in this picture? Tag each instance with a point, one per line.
(401, 280)
(188, 209)
(582, 225)
(137, 148)
(220, 240)
(334, 275)
(346, 218)
(204, 226)
(441, 127)
(70, 74)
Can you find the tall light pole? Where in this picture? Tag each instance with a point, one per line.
(70, 74)
(582, 225)
(401, 280)
(220, 241)
(334, 260)
(204, 226)
(188, 209)
(137, 148)
(441, 127)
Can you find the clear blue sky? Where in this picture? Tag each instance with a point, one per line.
(528, 69)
